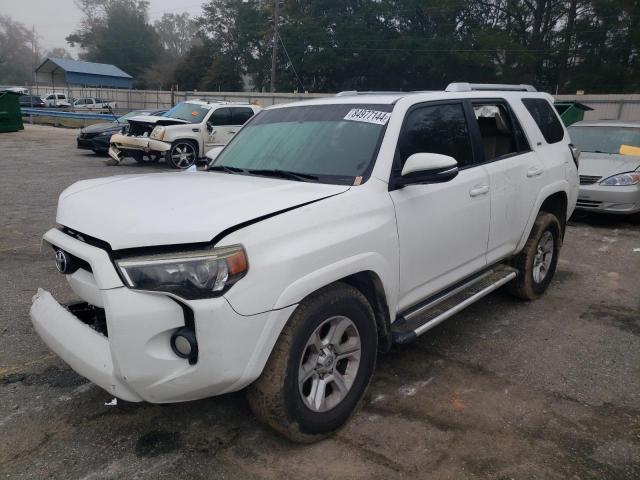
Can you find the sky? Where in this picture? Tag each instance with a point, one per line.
(55, 19)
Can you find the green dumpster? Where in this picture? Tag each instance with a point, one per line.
(571, 112)
(10, 114)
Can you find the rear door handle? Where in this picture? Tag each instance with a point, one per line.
(479, 190)
(534, 172)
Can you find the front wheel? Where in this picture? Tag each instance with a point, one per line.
(182, 154)
(538, 260)
(320, 367)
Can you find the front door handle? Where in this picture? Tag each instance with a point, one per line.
(534, 172)
(479, 190)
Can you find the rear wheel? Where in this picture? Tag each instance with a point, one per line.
(182, 154)
(538, 260)
(320, 367)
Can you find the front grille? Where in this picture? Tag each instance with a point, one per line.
(589, 179)
(90, 315)
(587, 203)
(138, 129)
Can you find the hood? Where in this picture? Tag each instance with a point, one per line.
(102, 127)
(157, 120)
(177, 208)
(606, 164)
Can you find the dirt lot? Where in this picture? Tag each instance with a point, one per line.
(545, 390)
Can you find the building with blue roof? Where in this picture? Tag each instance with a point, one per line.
(64, 72)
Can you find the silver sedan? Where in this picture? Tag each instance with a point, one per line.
(609, 165)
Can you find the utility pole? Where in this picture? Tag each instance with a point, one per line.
(274, 53)
(33, 54)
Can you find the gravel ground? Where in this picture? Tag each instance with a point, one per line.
(506, 389)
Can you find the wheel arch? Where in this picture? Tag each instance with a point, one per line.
(370, 285)
(554, 198)
(368, 273)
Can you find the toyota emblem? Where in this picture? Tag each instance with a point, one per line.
(62, 262)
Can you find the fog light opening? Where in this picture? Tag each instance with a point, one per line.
(184, 344)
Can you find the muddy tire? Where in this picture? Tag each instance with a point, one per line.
(537, 261)
(182, 154)
(320, 367)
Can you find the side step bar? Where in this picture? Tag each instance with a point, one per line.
(417, 320)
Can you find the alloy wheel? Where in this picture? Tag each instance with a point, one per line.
(183, 155)
(329, 364)
(543, 258)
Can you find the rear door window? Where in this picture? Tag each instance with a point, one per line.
(440, 128)
(221, 116)
(546, 118)
(239, 115)
(500, 132)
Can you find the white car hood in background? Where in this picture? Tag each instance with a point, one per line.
(604, 165)
(177, 208)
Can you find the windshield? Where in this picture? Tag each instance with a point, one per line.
(191, 112)
(604, 139)
(326, 143)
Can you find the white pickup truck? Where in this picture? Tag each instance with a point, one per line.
(93, 104)
(325, 231)
(183, 134)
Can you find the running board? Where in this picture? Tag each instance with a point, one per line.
(417, 320)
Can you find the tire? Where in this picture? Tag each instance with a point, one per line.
(182, 155)
(535, 268)
(289, 406)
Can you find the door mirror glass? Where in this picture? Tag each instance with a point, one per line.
(421, 168)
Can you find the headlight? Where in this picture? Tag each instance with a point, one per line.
(190, 275)
(622, 179)
(157, 133)
(105, 134)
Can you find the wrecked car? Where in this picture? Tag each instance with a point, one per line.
(183, 134)
(324, 232)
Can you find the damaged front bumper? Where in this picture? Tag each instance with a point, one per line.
(121, 143)
(83, 348)
(129, 354)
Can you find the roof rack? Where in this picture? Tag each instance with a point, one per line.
(351, 93)
(470, 87)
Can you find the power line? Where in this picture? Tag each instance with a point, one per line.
(291, 63)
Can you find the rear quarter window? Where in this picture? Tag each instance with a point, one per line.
(546, 119)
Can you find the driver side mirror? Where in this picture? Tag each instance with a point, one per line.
(209, 126)
(423, 168)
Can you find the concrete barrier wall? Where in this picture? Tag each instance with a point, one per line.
(608, 107)
(622, 107)
(161, 99)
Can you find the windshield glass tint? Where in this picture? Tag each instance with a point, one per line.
(190, 112)
(604, 139)
(314, 140)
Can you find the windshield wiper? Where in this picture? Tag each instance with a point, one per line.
(300, 177)
(224, 168)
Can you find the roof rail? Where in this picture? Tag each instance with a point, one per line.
(351, 93)
(470, 87)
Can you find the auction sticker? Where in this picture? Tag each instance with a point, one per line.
(368, 116)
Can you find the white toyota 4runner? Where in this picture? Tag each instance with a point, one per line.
(183, 134)
(325, 231)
